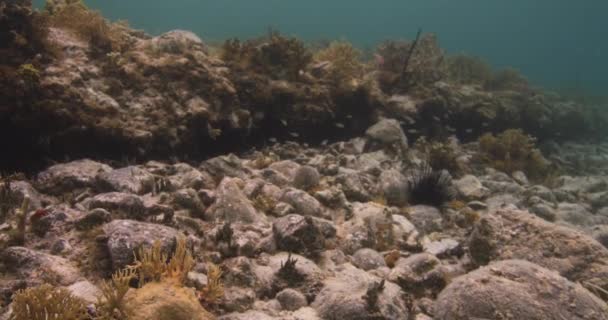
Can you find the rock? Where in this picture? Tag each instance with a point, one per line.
(544, 211)
(85, 290)
(51, 220)
(576, 185)
(67, 177)
(225, 166)
(299, 234)
(126, 236)
(231, 205)
(93, 218)
(541, 192)
(427, 219)
(371, 226)
(574, 213)
(420, 274)
(165, 300)
(469, 187)
(356, 186)
(237, 299)
(61, 246)
(368, 259)
(304, 204)
(520, 178)
(444, 248)
(335, 198)
(34, 265)
(249, 315)
(598, 199)
(184, 176)
(124, 204)
(291, 299)
(22, 189)
(517, 289)
(129, 179)
(306, 177)
(287, 168)
(342, 297)
(388, 131)
(176, 42)
(394, 187)
(501, 201)
(514, 234)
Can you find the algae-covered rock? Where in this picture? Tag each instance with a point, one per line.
(517, 289)
(164, 301)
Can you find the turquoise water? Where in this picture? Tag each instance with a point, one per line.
(555, 43)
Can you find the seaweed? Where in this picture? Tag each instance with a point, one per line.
(214, 290)
(466, 69)
(90, 26)
(277, 56)
(111, 305)
(46, 302)
(511, 151)
(289, 272)
(344, 62)
(440, 156)
(507, 79)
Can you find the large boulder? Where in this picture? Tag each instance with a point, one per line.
(514, 234)
(129, 179)
(67, 177)
(517, 289)
(388, 132)
(32, 265)
(126, 236)
(231, 204)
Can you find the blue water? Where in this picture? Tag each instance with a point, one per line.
(555, 43)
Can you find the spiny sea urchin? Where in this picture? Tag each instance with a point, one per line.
(430, 187)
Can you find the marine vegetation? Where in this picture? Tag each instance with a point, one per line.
(46, 302)
(511, 151)
(89, 25)
(344, 59)
(440, 156)
(111, 304)
(507, 79)
(214, 290)
(276, 55)
(466, 69)
(154, 265)
(430, 187)
(404, 66)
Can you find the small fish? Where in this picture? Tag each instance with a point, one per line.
(273, 140)
(284, 122)
(379, 60)
(349, 116)
(469, 130)
(339, 125)
(412, 131)
(293, 134)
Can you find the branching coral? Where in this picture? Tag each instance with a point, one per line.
(511, 151)
(344, 59)
(47, 303)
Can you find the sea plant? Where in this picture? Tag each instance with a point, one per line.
(507, 79)
(345, 62)
(214, 290)
(513, 150)
(111, 305)
(466, 69)
(288, 271)
(429, 186)
(46, 302)
(152, 264)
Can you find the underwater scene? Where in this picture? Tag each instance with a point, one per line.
(303, 160)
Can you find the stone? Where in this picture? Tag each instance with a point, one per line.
(574, 213)
(176, 42)
(517, 289)
(93, 218)
(287, 168)
(427, 219)
(513, 234)
(356, 186)
(520, 178)
(225, 166)
(388, 131)
(33, 265)
(420, 274)
(86, 291)
(444, 248)
(470, 188)
(544, 211)
(303, 203)
(368, 259)
(231, 205)
(299, 234)
(237, 299)
(126, 236)
(67, 177)
(342, 297)
(306, 177)
(394, 187)
(124, 204)
(184, 176)
(130, 179)
(291, 299)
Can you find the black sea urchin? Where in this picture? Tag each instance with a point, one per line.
(430, 187)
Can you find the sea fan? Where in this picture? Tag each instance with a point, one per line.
(430, 187)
